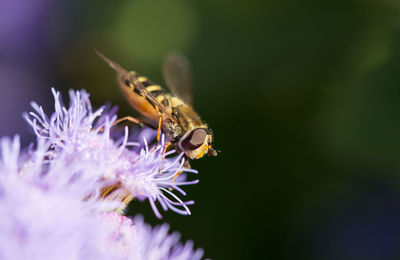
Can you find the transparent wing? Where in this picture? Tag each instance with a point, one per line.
(177, 76)
(136, 83)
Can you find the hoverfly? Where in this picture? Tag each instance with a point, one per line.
(184, 129)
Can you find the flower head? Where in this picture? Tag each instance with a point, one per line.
(53, 203)
(80, 133)
(141, 241)
(156, 243)
(41, 218)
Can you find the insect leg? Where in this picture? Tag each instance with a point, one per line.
(165, 149)
(176, 176)
(130, 119)
(186, 165)
(126, 118)
(159, 128)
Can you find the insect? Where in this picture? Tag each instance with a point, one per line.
(184, 129)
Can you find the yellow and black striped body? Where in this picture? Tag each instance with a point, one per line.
(139, 101)
(116, 192)
(182, 126)
(185, 118)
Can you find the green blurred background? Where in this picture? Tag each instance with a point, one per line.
(303, 97)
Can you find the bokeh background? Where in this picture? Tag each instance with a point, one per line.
(303, 97)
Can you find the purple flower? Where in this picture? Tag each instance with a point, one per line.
(41, 219)
(158, 244)
(52, 203)
(84, 134)
(141, 241)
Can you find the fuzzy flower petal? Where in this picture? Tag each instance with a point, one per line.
(43, 216)
(44, 220)
(81, 132)
(158, 244)
(61, 197)
(144, 242)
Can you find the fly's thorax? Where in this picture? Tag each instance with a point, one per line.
(187, 118)
(188, 133)
(196, 143)
(172, 130)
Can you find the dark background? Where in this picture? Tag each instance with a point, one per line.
(303, 97)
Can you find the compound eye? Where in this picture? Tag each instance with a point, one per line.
(194, 140)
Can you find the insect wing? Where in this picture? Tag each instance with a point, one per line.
(136, 83)
(177, 76)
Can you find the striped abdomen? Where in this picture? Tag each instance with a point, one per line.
(142, 103)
